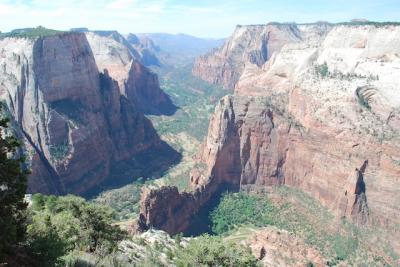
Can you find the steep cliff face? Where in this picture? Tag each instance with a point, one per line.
(321, 115)
(250, 45)
(146, 48)
(123, 63)
(74, 120)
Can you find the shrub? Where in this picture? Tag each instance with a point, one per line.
(214, 251)
(322, 70)
(73, 222)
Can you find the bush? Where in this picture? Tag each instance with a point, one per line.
(213, 251)
(322, 70)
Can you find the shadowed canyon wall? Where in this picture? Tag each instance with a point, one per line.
(78, 108)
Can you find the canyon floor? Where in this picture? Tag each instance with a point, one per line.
(185, 130)
(305, 233)
(250, 166)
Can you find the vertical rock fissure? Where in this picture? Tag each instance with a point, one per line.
(360, 210)
(54, 184)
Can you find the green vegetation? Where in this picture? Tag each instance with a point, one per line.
(303, 216)
(59, 152)
(68, 224)
(373, 23)
(213, 251)
(237, 209)
(188, 127)
(195, 98)
(322, 70)
(12, 191)
(184, 131)
(125, 200)
(31, 33)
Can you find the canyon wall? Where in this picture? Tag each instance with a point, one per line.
(75, 120)
(252, 44)
(321, 114)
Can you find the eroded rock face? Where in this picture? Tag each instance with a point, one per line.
(302, 120)
(250, 45)
(274, 247)
(146, 48)
(123, 63)
(74, 119)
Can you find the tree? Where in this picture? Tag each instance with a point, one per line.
(13, 184)
(46, 247)
(80, 225)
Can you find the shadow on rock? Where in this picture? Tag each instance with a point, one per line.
(149, 164)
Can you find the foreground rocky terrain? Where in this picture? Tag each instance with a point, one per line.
(315, 107)
(76, 100)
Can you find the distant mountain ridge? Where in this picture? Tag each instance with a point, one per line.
(182, 43)
(170, 50)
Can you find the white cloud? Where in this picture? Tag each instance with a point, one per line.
(121, 4)
(205, 18)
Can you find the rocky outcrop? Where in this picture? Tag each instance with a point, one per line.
(75, 121)
(250, 45)
(146, 48)
(274, 247)
(298, 120)
(139, 84)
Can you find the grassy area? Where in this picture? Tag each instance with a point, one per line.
(339, 241)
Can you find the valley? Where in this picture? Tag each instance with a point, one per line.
(278, 146)
(185, 130)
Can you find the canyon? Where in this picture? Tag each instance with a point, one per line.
(77, 100)
(315, 107)
(309, 119)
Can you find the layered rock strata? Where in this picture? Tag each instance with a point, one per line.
(124, 64)
(74, 118)
(252, 44)
(322, 115)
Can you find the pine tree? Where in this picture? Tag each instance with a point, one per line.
(13, 184)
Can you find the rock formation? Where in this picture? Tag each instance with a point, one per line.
(322, 115)
(124, 64)
(146, 48)
(253, 44)
(76, 121)
(274, 247)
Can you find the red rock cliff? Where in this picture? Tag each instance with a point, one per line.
(74, 120)
(322, 115)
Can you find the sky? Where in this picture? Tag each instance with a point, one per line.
(204, 18)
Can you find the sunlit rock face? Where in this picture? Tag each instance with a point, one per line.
(123, 62)
(321, 114)
(251, 44)
(74, 106)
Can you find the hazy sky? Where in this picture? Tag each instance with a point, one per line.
(204, 18)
